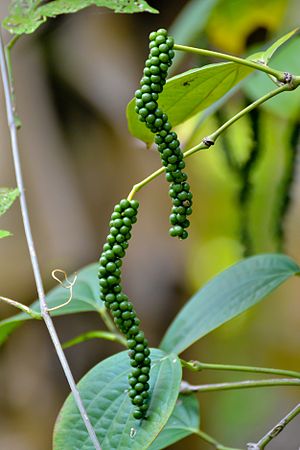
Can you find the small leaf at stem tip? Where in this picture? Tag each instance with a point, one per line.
(27, 15)
(4, 234)
(264, 57)
(7, 198)
(267, 54)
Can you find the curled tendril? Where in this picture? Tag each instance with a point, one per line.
(68, 286)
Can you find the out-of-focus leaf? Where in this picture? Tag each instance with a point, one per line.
(185, 420)
(189, 23)
(27, 15)
(226, 296)
(7, 198)
(287, 104)
(4, 234)
(232, 22)
(85, 298)
(188, 93)
(104, 393)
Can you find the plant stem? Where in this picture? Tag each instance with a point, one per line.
(249, 108)
(262, 443)
(197, 366)
(8, 49)
(24, 308)
(207, 438)
(107, 320)
(30, 243)
(211, 139)
(187, 388)
(280, 76)
(98, 334)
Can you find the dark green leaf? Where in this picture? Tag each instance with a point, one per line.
(287, 104)
(7, 198)
(27, 15)
(4, 234)
(85, 298)
(189, 93)
(104, 393)
(226, 296)
(185, 420)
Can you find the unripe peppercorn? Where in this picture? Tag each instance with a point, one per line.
(122, 219)
(159, 60)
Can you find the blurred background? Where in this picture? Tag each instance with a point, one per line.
(74, 78)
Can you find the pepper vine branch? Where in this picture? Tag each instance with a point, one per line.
(31, 247)
(263, 442)
(210, 140)
(280, 76)
(187, 388)
(197, 366)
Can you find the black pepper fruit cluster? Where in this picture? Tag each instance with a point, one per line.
(122, 219)
(155, 73)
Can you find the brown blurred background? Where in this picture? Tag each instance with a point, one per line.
(73, 80)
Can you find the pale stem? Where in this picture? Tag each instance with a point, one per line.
(30, 243)
(262, 443)
(187, 388)
(197, 366)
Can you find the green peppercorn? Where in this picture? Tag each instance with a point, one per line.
(123, 217)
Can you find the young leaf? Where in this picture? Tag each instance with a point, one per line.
(266, 56)
(185, 420)
(4, 234)
(188, 93)
(7, 198)
(27, 15)
(104, 393)
(226, 296)
(85, 298)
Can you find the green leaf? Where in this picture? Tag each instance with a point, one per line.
(226, 296)
(27, 15)
(4, 234)
(7, 198)
(104, 394)
(267, 54)
(287, 104)
(85, 298)
(184, 421)
(188, 93)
